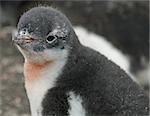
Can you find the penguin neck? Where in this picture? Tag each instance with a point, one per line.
(74, 57)
(39, 78)
(76, 49)
(33, 70)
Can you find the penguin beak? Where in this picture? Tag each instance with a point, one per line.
(19, 40)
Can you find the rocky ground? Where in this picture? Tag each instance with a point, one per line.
(13, 100)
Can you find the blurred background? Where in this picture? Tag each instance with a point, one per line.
(117, 29)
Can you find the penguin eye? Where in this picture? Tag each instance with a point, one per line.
(51, 39)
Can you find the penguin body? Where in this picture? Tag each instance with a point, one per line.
(65, 78)
(103, 87)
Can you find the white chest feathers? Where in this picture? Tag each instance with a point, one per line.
(37, 89)
(75, 104)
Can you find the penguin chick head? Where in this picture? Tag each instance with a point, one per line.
(44, 33)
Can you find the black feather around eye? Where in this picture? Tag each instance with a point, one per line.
(51, 39)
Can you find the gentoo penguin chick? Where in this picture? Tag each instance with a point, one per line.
(64, 78)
